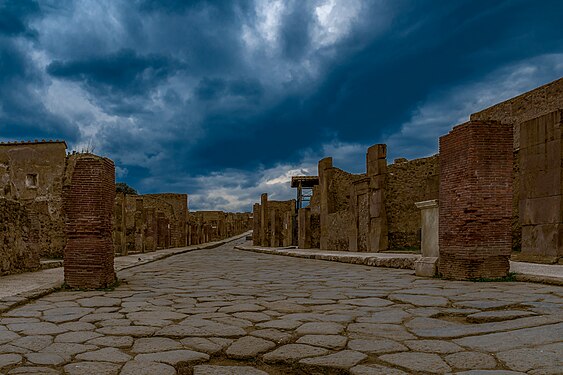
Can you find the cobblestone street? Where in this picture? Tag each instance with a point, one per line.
(224, 311)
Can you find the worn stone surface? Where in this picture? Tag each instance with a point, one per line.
(147, 368)
(374, 369)
(88, 368)
(324, 341)
(417, 362)
(471, 360)
(249, 347)
(293, 352)
(340, 360)
(229, 303)
(227, 370)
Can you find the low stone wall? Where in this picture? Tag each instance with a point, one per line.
(18, 253)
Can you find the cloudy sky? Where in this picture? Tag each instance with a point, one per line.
(224, 100)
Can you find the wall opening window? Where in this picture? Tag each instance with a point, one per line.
(31, 180)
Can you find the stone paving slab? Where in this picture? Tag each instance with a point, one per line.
(18, 288)
(531, 272)
(224, 311)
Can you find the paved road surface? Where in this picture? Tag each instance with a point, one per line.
(224, 311)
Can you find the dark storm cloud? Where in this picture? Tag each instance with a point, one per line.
(225, 99)
(214, 88)
(23, 114)
(14, 17)
(124, 72)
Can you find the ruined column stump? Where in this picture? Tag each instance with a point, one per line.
(475, 201)
(89, 194)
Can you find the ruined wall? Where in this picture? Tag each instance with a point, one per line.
(209, 226)
(475, 201)
(144, 223)
(175, 207)
(529, 105)
(409, 182)
(541, 187)
(275, 223)
(88, 196)
(335, 216)
(31, 173)
(515, 111)
(18, 250)
(367, 204)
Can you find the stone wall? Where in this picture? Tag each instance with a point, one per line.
(31, 173)
(409, 182)
(275, 222)
(88, 196)
(209, 226)
(541, 187)
(144, 223)
(475, 201)
(336, 218)
(18, 250)
(516, 111)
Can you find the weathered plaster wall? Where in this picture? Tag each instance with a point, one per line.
(18, 250)
(31, 173)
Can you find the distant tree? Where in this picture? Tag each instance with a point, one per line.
(122, 187)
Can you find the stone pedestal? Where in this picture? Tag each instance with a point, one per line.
(426, 266)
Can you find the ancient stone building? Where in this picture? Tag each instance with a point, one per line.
(144, 223)
(352, 207)
(276, 222)
(541, 187)
(516, 111)
(208, 226)
(31, 173)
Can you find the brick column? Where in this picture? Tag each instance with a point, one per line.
(89, 195)
(475, 201)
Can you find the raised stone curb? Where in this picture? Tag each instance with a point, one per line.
(388, 260)
(546, 274)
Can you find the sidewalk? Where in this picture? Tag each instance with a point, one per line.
(532, 272)
(17, 289)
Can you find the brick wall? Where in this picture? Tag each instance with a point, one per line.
(88, 201)
(475, 200)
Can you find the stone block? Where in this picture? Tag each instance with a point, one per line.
(426, 266)
(543, 240)
(544, 210)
